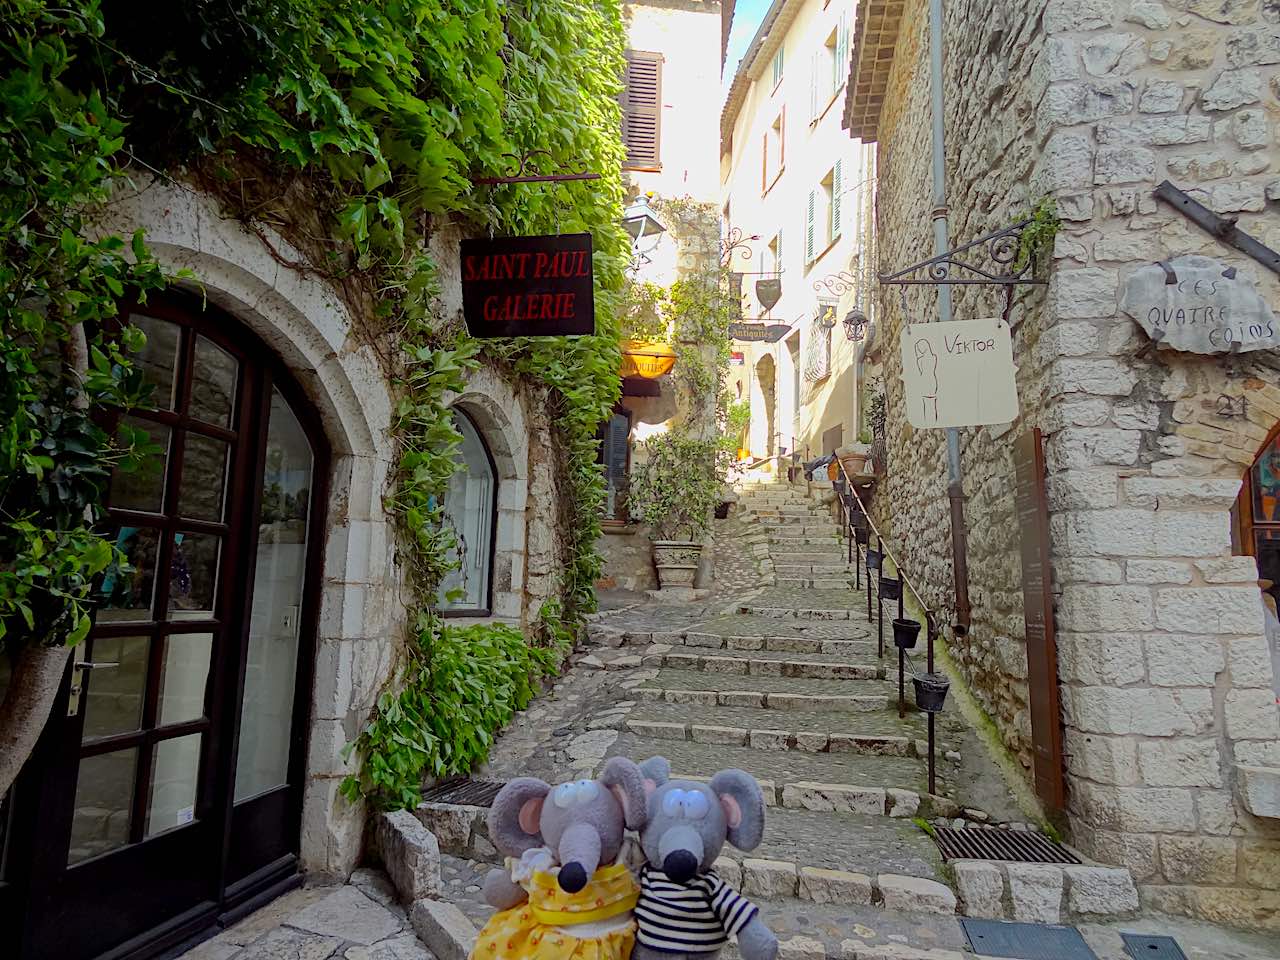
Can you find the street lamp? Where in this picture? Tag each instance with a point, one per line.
(641, 223)
(855, 324)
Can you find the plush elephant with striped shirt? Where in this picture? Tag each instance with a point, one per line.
(686, 911)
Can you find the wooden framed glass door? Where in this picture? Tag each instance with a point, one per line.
(1258, 510)
(168, 783)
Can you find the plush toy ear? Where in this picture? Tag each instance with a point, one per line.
(743, 804)
(626, 781)
(657, 771)
(514, 816)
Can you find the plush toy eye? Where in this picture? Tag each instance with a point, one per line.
(672, 802)
(564, 795)
(587, 791)
(695, 805)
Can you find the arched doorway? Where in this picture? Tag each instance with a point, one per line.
(763, 396)
(470, 510)
(166, 792)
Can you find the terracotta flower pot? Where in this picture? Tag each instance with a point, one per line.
(855, 464)
(677, 562)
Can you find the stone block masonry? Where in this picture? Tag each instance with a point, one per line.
(1172, 735)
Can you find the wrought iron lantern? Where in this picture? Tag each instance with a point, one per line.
(644, 228)
(855, 324)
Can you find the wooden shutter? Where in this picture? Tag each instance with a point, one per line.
(814, 86)
(808, 229)
(778, 247)
(835, 200)
(642, 110)
(842, 53)
(782, 137)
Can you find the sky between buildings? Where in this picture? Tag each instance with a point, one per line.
(746, 20)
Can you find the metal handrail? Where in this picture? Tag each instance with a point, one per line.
(930, 618)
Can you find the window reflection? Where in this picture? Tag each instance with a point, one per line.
(469, 512)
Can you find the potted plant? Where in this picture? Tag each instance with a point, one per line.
(854, 456)
(675, 486)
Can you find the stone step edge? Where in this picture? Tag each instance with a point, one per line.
(803, 613)
(1043, 892)
(766, 700)
(753, 667)
(615, 637)
(804, 741)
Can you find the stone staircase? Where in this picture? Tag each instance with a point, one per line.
(786, 683)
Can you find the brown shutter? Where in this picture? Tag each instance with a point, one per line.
(642, 110)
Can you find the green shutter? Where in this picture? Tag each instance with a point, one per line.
(842, 51)
(835, 201)
(808, 230)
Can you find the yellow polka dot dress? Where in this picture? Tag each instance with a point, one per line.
(596, 923)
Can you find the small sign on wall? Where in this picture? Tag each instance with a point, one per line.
(528, 286)
(959, 374)
(1199, 305)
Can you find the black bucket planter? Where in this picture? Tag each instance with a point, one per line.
(890, 589)
(862, 535)
(722, 511)
(931, 691)
(905, 633)
(873, 559)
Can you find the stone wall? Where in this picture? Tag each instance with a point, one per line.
(1165, 680)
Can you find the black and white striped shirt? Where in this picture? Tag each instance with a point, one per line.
(693, 917)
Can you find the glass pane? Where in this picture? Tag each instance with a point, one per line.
(1266, 484)
(127, 589)
(143, 487)
(193, 575)
(204, 475)
(158, 358)
(213, 386)
(114, 695)
(175, 771)
(266, 716)
(468, 509)
(186, 674)
(104, 797)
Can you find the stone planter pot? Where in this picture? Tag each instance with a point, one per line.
(855, 464)
(931, 691)
(677, 562)
(905, 633)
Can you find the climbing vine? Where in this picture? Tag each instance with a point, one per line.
(350, 127)
(1035, 246)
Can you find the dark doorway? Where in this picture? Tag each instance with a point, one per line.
(166, 791)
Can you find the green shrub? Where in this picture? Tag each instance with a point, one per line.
(677, 484)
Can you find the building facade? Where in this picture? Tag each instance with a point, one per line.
(798, 194)
(1160, 463)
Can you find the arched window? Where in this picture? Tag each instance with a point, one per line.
(470, 508)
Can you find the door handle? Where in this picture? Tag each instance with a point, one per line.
(77, 681)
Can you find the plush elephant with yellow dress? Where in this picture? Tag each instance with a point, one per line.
(565, 892)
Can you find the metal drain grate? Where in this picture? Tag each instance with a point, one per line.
(992, 843)
(1026, 941)
(1143, 946)
(464, 791)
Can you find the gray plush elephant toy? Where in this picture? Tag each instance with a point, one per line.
(581, 825)
(686, 912)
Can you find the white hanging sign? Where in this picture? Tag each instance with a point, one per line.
(959, 374)
(1200, 305)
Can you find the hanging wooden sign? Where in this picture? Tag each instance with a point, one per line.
(758, 332)
(769, 292)
(959, 374)
(528, 286)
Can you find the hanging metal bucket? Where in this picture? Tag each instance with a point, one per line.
(905, 633)
(931, 691)
(861, 535)
(873, 559)
(890, 589)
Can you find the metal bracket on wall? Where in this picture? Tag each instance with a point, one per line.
(537, 166)
(1224, 228)
(1002, 248)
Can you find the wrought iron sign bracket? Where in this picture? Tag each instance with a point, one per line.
(1224, 228)
(1002, 247)
(529, 168)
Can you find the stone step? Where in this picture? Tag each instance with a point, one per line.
(803, 704)
(816, 569)
(736, 624)
(810, 518)
(809, 540)
(813, 583)
(675, 679)
(746, 710)
(781, 767)
(808, 555)
(844, 648)
(739, 632)
(797, 612)
(807, 741)
(802, 530)
(766, 663)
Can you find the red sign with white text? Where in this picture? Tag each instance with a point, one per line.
(528, 286)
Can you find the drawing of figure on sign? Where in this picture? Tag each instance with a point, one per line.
(959, 374)
(927, 368)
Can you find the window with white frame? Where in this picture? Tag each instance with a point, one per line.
(830, 69)
(774, 149)
(777, 68)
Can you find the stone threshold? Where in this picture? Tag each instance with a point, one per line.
(820, 703)
(756, 667)
(876, 745)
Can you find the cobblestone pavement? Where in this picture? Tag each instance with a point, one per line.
(360, 920)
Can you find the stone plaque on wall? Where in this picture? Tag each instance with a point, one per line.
(1199, 305)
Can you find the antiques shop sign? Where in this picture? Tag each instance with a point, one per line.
(528, 286)
(758, 332)
(1198, 304)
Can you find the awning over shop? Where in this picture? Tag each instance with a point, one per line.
(646, 360)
